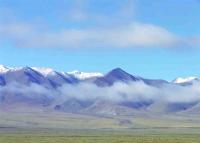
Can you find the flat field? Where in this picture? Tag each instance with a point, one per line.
(100, 136)
(99, 139)
(74, 128)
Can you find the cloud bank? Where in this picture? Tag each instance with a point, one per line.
(119, 92)
(111, 25)
(134, 91)
(132, 35)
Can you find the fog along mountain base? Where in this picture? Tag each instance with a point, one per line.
(44, 97)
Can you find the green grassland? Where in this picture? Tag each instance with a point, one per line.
(101, 139)
(136, 135)
(78, 121)
(97, 136)
(37, 127)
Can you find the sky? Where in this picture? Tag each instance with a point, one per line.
(152, 39)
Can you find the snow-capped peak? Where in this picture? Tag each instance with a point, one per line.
(3, 69)
(44, 71)
(84, 75)
(184, 80)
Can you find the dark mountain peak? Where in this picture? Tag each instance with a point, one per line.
(117, 69)
(120, 74)
(115, 75)
(117, 72)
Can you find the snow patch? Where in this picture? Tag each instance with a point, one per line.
(184, 80)
(3, 69)
(84, 75)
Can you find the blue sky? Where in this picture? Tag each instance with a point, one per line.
(153, 39)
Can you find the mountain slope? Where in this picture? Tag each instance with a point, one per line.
(116, 75)
(119, 75)
(115, 93)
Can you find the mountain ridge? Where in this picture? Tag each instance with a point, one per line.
(86, 75)
(115, 93)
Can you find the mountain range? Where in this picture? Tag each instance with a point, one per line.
(114, 93)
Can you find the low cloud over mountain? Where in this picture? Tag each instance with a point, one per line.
(116, 90)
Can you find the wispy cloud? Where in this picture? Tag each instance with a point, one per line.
(104, 12)
(131, 35)
(112, 25)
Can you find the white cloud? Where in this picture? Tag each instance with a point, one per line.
(134, 91)
(132, 35)
(111, 25)
(119, 92)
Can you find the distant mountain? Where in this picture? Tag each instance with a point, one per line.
(24, 76)
(93, 93)
(119, 75)
(116, 75)
(170, 107)
(27, 75)
(104, 107)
